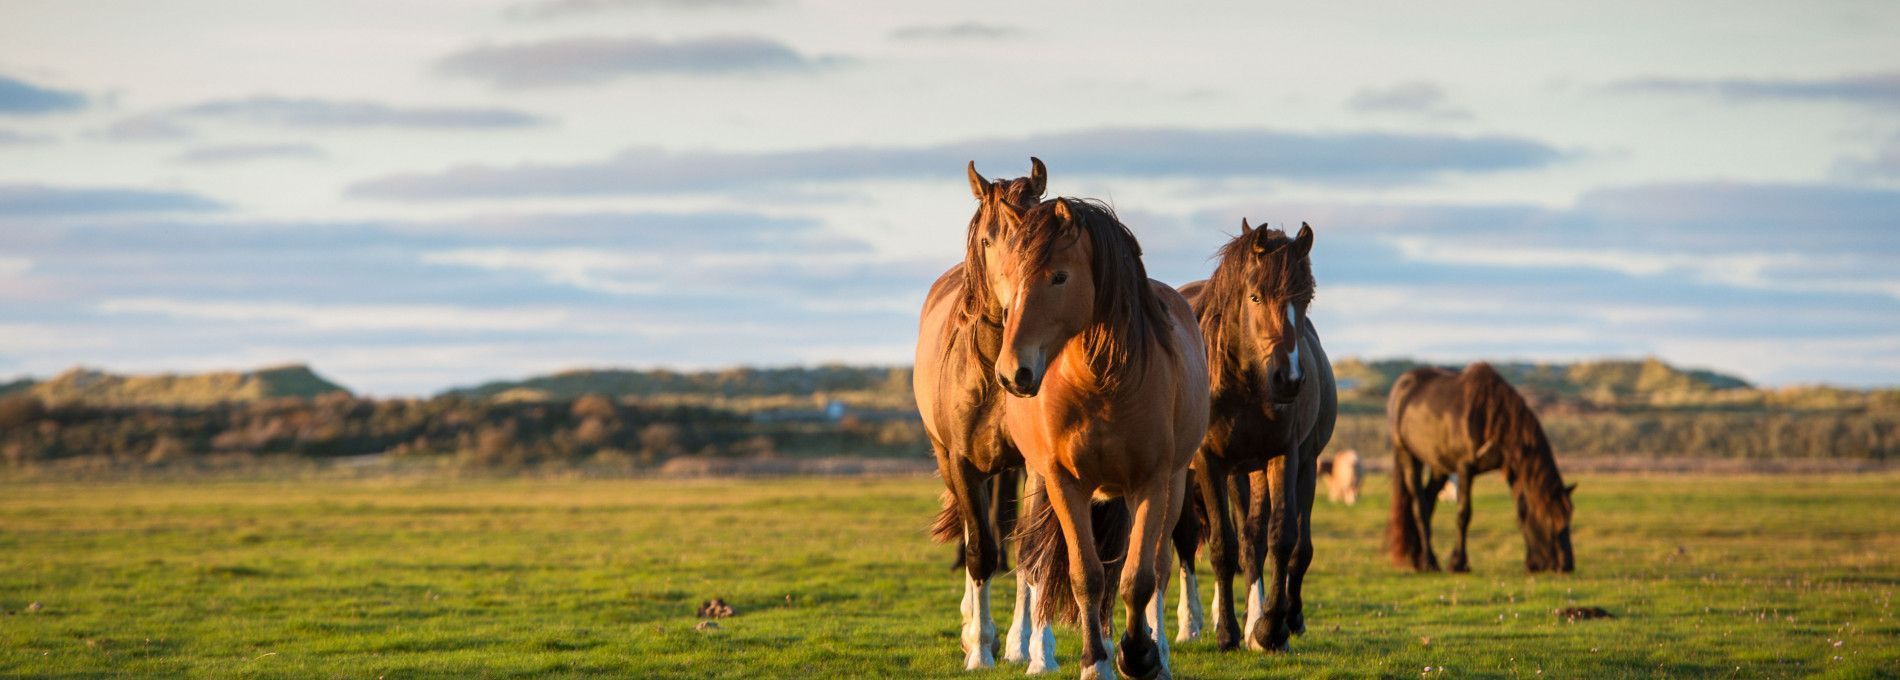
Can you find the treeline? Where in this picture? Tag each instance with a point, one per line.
(621, 435)
(630, 421)
(1758, 435)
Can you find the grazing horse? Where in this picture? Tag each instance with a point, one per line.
(1341, 476)
(1274, 403)
(1468, 423)
(958, 338)
(1108, 398)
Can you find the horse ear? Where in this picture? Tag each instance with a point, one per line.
(978, 186)
(1038, 177)
(1260, 239)
(1569, 489)
(1244, 229)
(1303, 244)
(1062, 210)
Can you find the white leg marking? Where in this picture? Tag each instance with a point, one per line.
(1256, 609)
(1016, 645)
(1157, 605)
(1188, 614)
(979, 631)
(1104, 669)
(1042, 644)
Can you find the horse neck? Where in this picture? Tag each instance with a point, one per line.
(1536, 484)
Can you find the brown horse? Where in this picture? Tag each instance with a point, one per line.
(1108, 390)
(1274, 403)
(1446, 423)
(958, 338)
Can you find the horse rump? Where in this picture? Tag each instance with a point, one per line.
(1043, 555)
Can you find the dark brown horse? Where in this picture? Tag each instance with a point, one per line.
(1274, 403)
(1468, 423)
(954, 382)
(1108, 398)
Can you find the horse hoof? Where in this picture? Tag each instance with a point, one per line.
(1100, 670)
(1296, 623)
(1138, 660)
(1264, 637)
(1227, 639)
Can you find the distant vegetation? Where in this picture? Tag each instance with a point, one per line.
(623, 421)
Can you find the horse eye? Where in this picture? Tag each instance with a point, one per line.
(986, 243)
(1255, 298)
(1061, 278)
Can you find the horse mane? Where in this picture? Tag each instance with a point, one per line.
(1128, 315)
(1500, 417)
(978, 303)
(976, 331)
(1254, 260)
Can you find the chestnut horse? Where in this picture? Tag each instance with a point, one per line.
(1108, 397)
(1468, 423)
(1274, 403)
(958, 338)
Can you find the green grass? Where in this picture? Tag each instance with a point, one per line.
(1707, 576)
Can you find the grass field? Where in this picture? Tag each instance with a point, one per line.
(1737, 576)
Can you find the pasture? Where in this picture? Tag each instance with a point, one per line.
(1707, 576)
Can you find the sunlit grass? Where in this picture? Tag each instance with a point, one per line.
(1707, 576)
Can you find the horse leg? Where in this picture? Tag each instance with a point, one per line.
(1071, 504)
(1459, 560)
(1142, 644)
(1282, 480)
(1003, 509)
(1412, 474)
(1307, 488)
(1030, 642)
(978, 637)
(1187, 537)
(1427, 507)
(1255, 513)
(1222, 552)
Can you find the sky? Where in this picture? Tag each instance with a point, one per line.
(416, 195)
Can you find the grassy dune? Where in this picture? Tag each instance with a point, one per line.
(1706, 575)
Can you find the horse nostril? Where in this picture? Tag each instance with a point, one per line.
(1023, 376)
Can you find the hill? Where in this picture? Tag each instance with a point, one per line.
(88, 386)
(1608, 382)
(877, 386)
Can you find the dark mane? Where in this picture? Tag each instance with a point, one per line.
(1499, 417)
(978, 303)
(1254, 260)
(1127, 313)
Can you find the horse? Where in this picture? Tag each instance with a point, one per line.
(959, 333)
(1274, 403)
(1468, 423)
(1341, 477)
(1107, 398)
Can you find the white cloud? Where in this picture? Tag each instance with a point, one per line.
(344, 317)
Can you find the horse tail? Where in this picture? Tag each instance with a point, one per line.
(1402, 541)
(949, 524)
(1043, 555)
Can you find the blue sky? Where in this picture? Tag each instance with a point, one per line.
(417, 195)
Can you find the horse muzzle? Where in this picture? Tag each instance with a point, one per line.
(1023, 383)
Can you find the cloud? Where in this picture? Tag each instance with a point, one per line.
(585, 60)
(35, 200)
(145, 128)
(13, 267)
(969, 30)
(1409, 97)
(17, 138)
(322, 113)
(342, 317)
(549, 9)
(1348, 158)
(1883, 163)
(238, 153)
(1874, 89)
(20, 98)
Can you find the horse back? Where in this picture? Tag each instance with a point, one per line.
(1429, 418)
